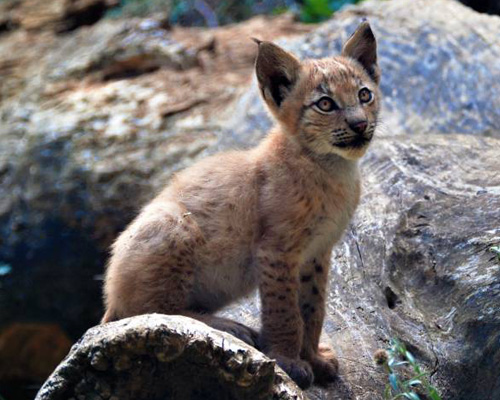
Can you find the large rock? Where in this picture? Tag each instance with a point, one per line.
(166, 357)
(439, 61)
(416, 265)
(61, 15)
(82, 147)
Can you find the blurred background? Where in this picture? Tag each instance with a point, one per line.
(100, 102)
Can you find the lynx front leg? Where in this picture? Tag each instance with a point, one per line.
(314, 279)
(282, 325)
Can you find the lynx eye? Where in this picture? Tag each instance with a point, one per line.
(365, 95)
(326, 104)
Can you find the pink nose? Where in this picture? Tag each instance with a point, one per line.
(359, 126)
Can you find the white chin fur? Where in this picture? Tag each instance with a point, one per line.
(352, 153)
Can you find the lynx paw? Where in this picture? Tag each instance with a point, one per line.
(325, 365)
(299, 370)
(240, 331)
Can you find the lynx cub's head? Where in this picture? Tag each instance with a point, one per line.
(328, 105)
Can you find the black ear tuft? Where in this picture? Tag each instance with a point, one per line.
(362, 46)
(277, 72)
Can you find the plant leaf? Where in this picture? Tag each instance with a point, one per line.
(393, 380)
(410, 357)
(434, 395)
(400, 363)
(387, 392)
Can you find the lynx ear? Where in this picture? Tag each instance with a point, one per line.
(277, 72)
(362, 46)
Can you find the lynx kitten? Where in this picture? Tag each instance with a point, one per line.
(267, 217)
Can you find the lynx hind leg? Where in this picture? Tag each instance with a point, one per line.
(151, 268)
(244, 333)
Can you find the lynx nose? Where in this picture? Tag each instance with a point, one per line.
(358, 127)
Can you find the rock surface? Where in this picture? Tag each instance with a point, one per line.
(56, 15)
(165, 357)
(82, 147)
(440, 66)
(416, 265)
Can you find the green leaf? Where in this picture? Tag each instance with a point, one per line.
(315, 10)
(434, 395)
(495, 249)
(319, 7)
(412, 361)
(400, 347)
(400, 363)
(415, 382)
(393, 380)
(410, 357)
(417, 377)
(387, 392)
(411, 396)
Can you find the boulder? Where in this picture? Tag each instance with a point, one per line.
(416, 265)
(439, 62)
(93, 124)
(165, 357)
(61, 15)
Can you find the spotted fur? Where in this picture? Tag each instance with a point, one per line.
(267, 217)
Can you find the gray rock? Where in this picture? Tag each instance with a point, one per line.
(59, 15)
(118, 49)
(75, 167)
(168, 357)
(440, 66)
(416, 265)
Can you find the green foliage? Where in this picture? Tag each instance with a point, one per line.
(400, 363)
(313, 11)
(214, 13)
(188, 12)
(279, 10)
(496, 250)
